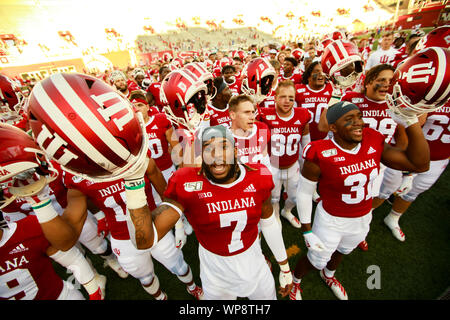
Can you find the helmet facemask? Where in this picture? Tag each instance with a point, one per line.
(37, 177)
(400, 103)
(194, 111)
(347, 75)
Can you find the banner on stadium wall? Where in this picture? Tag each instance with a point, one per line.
(39, 71)
(184, 54)
(152, 57)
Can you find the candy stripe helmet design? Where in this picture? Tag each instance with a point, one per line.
(201, 72)
(184, 96)
(439, 37)
(87, 127)
(238, 54)
(21, 157)
(422, 83)
(257, 78)
(342, 63)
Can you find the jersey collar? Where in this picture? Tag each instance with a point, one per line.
(355, 150)
(241, 177)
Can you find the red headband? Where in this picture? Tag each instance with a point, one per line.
(137, 100)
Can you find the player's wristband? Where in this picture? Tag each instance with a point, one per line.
(44, 211)
(173, 207)
(134, 184)
(306, 232)
(285, 268)
(136, 197)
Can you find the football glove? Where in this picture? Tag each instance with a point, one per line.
(313, 242)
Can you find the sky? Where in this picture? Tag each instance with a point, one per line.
(88, 18)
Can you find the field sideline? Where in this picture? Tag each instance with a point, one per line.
(416, 269)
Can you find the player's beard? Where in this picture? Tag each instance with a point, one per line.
(234, 170)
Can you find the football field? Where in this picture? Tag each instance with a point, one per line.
(417, 269)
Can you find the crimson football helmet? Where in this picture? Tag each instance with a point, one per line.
(12, 101)
(298, 54)
(439, 37)
(20, 158)
(257, 78)
(321, 45)
(337, 35)
(422, 83)
(87, 127)
(239, 54)
(200, 71)
(184, 96)
(342, 63)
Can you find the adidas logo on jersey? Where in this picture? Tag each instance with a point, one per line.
(297, 122)
(155, 127)
(19, 248)
(250, 188)
(371, 150)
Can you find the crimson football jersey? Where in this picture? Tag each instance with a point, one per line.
(269, 101)
(235, 87)
(26, 272)
(250, 149)
(285, 135)
(110, 198)
(296, 77)
(315, 102)
(437, 133)
(346, 176)
(219, 116)
(224, 217)
(154, 89)
(158, 147)
(374, 114)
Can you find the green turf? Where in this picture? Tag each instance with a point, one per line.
(415, 269)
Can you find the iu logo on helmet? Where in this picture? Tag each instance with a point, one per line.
(56, 143)
(419, 73)
(117, 107)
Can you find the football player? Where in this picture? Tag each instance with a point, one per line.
(344, 167)
(372, 103)
(155, 87)
(224, 201)
(289, 132)
(90, 172)
(290, 71)
(314, 94)
(233, 82)
(218, 108)
(251, 136)
(408, 186)
(119, 81)
(26, 245)
(90, 235)
(161, 140)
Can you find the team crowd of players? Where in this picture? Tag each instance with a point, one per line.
(229, 135)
